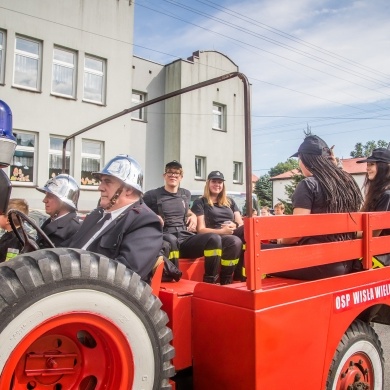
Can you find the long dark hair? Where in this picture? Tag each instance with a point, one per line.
(374, 188)
(342, 194)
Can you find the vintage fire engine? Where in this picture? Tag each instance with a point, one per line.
(71, 319)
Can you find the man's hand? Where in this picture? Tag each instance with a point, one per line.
(191, 222)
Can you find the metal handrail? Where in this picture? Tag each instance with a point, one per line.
(247, 124)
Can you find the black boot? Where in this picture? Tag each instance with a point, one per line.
(210, 279)
(226, 279)
(211, 268)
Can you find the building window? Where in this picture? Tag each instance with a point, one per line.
(23, 162)
(91, 161)
(219, 113)
(200, 167)
(138, 98)
(27, 63)
(237, 172)
(64, 72)
(2, 56)
(94, 79)
(55, 156)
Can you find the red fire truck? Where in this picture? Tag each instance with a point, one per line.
(71, 319)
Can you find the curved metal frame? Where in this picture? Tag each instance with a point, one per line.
(247, 110)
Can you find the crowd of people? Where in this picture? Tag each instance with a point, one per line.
(135, 228)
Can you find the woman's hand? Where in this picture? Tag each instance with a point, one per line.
(228, 228)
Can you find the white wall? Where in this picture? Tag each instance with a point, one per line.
(190, 133)
(102, 28)
(179, 128)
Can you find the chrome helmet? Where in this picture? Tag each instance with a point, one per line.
(64, 187)
(124, 168)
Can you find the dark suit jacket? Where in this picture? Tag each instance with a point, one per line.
(61, 229)
(134, 238)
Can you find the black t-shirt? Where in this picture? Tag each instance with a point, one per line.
(173, 207)
(384, 205)
(310, 195)
(214, 216)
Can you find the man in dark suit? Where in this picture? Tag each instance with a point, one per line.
(61, 197)
(122, 227)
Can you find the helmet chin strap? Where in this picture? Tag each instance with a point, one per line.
(114, 198)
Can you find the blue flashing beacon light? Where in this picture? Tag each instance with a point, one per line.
(7, 139)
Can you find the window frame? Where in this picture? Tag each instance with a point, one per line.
(91, 156)
(3, 50)
(58, 152)
(141, 112)
(25, 54)
(63, 64)
(94, 72)
(202, 160)
(219, 111)
(34, 166)
(239, 171)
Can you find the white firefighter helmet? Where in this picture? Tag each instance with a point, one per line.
(124, 168)
(64, 187)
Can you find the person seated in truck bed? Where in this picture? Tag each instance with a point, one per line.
(377, 193)
(325, 189)
(218, 214)
(171, 204)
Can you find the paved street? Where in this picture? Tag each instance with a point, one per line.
(383, 332)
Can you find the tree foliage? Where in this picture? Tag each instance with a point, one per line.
(263, 190)
(366, 150)
(283, 167)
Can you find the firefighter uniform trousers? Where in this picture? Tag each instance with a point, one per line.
(220, 253)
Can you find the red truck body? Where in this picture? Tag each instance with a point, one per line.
(274, 333)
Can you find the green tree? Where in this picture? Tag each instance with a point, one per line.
(366, 150)
(283, 167)
(263, 190)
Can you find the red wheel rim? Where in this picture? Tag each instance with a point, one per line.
(359, 368)
(72, 351)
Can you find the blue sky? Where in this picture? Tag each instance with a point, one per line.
(316, 62)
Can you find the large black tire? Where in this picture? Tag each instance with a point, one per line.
(75, 319)
(358, 361)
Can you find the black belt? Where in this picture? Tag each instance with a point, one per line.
(174, 229)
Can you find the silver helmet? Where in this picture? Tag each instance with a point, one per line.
(64, 187)
(124, 168)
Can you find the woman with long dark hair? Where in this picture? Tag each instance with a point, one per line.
(325, 189)
(377, 192)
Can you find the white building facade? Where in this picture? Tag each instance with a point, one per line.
(65, 65)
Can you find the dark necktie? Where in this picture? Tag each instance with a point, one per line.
(93, 230)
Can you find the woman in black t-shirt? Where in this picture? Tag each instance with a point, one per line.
(325, 189)
(377, 191)
(216, 213)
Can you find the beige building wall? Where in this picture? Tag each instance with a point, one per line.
(189, 128)
(180, 128)
(98, 28)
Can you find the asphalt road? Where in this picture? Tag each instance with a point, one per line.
(383, 332)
